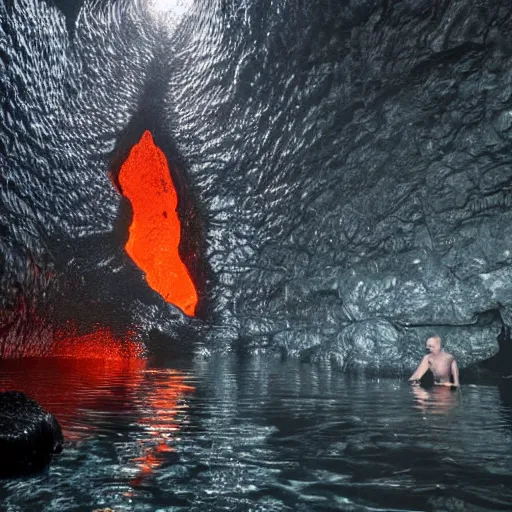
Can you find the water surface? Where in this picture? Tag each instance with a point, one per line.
(260, 434)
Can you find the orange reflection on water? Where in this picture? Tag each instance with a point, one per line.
(68, 387)
(98, 376)
(162, 422)
(150, 460)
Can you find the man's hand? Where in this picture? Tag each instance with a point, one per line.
(450, 385)
(455, 373)
(420, 371)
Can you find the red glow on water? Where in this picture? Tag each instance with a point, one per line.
(163, 425)
(155, 230)
(67, 387)
(101, 375)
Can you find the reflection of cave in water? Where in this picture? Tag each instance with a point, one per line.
(505, 391)
(263, 434)
(436, 400)
(82, 392)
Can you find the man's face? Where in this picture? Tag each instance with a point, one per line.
(433, 345)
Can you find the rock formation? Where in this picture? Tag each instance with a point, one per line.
(343, 172)
(29, 436)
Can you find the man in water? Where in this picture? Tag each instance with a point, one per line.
(442, 365)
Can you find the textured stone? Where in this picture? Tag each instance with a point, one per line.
(29, 435)
(350, 165)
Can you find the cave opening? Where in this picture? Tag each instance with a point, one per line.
(164, 234)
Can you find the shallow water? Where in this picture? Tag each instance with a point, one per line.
(260, 434)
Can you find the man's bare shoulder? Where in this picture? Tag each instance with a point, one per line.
(449, 356)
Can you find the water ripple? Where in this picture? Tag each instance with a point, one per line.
(223, 436)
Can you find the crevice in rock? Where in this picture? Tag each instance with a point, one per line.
(501, 363)
(150, 118)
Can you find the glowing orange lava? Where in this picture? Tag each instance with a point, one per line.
(154, 238)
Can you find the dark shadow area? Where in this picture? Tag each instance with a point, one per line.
(496, 368)
(70, 9)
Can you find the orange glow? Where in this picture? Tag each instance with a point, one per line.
(98, 344)
(25, 333)
(162, 425)
(100, 372)
(67, 387)
(77, 372)
(154, 238)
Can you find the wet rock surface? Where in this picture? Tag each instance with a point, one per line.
(350, 165)
(29, 435)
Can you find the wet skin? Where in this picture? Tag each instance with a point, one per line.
(442, 365)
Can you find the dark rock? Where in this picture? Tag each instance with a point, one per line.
(29, 435)
(350, 165)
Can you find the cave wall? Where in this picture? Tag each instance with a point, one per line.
(350, 162)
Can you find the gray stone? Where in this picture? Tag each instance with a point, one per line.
(347, 168)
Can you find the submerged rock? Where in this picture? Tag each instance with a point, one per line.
(29, 435)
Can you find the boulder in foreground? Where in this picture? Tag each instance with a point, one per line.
(29, 435)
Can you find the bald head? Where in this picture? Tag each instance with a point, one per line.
(434, 344)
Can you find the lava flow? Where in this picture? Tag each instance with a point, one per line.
(154, 234)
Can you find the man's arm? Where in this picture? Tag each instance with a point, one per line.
(455, 373)
(421, 370)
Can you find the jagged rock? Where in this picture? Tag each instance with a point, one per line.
(344, 170)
